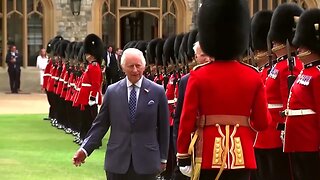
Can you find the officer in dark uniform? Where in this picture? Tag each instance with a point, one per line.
(302, 135)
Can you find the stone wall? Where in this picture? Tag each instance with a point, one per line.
(69, 26)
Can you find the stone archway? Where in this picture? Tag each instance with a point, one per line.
(182, 12)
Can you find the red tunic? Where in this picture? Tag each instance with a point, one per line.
(70, 87)
(61, 79)
(90, 85)
(170, 97)
(51, 81)
(277, 95)
(47, 74)
(223, 88)
(302, 133)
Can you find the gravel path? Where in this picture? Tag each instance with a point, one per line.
(34, 103)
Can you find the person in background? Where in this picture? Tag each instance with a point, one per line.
(136, 111)
(13, 60)
(42, 61)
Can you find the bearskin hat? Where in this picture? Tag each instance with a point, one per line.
(168, 49)
(151, 50)
(184, 47)
(223, 28)
(191, 40)
(308, 32)
(52, 42)
(76, 50)
(159, 53)
(176, 46)
(62, 48)
(142, 46)
(260, 25)
(282, 25)
(93, 45)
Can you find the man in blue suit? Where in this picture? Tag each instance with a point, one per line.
(136, 109)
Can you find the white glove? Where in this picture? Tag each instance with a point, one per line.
(282, 136)
(91, 103)
(186, 170)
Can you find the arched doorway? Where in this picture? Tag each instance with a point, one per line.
(155, 18)
(138, 26)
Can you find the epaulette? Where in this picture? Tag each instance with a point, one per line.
(249, 65)
(201, 65)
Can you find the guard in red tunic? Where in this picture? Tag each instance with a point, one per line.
(90, 95)
(260, 25)
(302, 126)
(225, 102)
(272, 162)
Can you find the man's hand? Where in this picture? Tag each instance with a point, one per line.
(79, 158)
(186, 170)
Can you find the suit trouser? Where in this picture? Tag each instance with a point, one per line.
(234, 174)
(272, 164)
(305, 165)
(14, 78)
(130, 175)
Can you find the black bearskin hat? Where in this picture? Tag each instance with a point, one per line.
(177, 43)
(191, 40)
(184, 47)
(62, 48)
(52, 42)
(151, 50)
(223, 27)
(282, 25)
(93, 45)
(168, 49)
(159, 52)
(308, 31)
(260, 25)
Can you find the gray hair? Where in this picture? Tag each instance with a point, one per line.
(196, 45)
(132, 51)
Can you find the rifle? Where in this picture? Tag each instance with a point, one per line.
(291, 64)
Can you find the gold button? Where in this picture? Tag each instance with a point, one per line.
(217, 155)
(237, 140)
(238, 146)
(240, 161)
(217, 150)
(217, 146)
(238, 151)
(239, 155)
(217, 140)
(216, 161)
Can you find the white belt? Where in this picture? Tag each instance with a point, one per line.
(77, 89)
(47, 74)
(86, 85)
(298, 112)
(171, 101)
(275, 106)
(72, 84)
(62, 80)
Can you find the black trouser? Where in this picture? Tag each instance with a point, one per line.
(238, 174)
(61, 110)
(88, 116)
(53, 104)
(305, 165)
(272, 164)
(14, 78)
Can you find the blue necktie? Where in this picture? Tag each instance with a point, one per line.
(132, 104)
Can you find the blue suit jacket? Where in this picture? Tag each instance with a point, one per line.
(145, 142)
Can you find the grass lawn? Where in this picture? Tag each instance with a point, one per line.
(31, 149)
